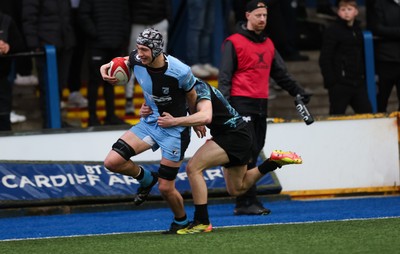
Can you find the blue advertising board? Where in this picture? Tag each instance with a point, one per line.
(57, 181)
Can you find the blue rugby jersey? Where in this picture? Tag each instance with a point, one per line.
(164, 89)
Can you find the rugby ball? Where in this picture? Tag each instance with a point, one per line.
(120, 69)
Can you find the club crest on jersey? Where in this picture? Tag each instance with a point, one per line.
(165, 90)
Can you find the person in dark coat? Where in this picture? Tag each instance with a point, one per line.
(155, 14)
(11, 41)
(107, 26)
(342, 62)
(48, 22)
(23, 65)
(385, 25)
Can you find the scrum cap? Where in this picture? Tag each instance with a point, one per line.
(152, 39)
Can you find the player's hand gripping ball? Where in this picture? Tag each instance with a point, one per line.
(120, 69)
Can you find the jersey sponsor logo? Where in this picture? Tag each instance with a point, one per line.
(261, 64)
(246, 118)
(260, 57)
(162, 100)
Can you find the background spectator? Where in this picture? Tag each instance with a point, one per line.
(11, 41)
(201, 16)
(21, 73)
(342, 62)
(384, 21)
(146, 14)
(107, 27)
(49, 22)
(75, 98)
(23, 65)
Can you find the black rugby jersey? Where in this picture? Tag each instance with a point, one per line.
(225, 117)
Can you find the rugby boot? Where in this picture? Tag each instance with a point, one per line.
(194, 228)
(285, 158)
(174, 228)
(143, 192)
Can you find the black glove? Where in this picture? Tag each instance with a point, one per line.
(306, 97)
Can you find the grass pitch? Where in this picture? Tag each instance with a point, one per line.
(352, 236)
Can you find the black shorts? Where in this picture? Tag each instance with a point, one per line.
(237, 145)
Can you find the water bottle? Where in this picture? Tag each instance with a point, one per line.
(302, 109)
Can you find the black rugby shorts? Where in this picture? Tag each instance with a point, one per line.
(237, 144)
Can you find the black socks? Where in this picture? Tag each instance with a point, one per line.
(201, 214)
(268, 166)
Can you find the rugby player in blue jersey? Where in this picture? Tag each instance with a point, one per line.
(230, 146)
(167, 86)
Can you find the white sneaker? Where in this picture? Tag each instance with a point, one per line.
(15, 118)
(30, 80)
(211, 69)
(199, 71)
(34, 80)
(76, 100)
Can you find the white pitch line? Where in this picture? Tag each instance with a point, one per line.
(232, 226)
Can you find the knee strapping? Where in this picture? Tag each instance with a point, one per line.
(167, 173)
(123, 149)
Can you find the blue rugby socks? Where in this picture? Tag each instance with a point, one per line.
(181, 221)
(145, 178)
